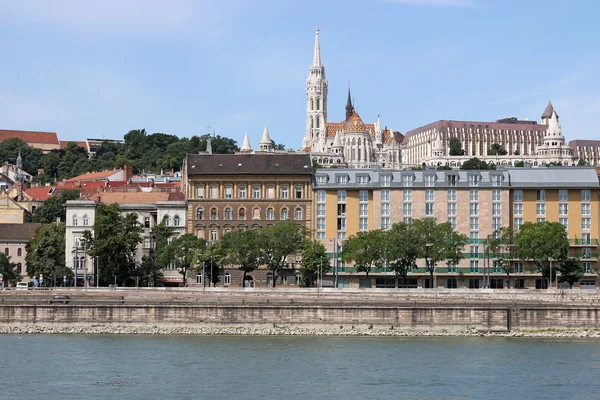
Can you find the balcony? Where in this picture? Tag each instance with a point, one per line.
(583, 242)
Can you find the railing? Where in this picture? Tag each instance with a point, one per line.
(584, 242)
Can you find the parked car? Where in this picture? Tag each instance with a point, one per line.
(60, 298)
(22, 285)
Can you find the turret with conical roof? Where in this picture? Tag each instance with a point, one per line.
(266, 144)
(246, 148)
(548, 113)
(349, 106)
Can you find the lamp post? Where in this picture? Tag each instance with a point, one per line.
(76, 261)
(427, 250)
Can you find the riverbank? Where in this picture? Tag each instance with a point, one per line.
(120, 329)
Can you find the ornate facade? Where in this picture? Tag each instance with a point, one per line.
(351, 142)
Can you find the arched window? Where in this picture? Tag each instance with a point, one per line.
(312, 105)
(284, 214)
(74, 220)
(166, 220)
(19, 252)
(298, 214)
(228, 213)
(214, 214)
(200, 234)
(19, 268)
(200, 213)
(318, 122)
(270, 214)
(256, 213)
(176, 220)
(311, 123)
(227, 280)
(86, 220)
(6, 252)
(242, 214)
(213, 235)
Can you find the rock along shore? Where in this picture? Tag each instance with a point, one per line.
(109, 329)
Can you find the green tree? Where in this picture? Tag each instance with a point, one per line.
(9, 151)
(439, 243)
(183, 252)
(365, 250)
(571, 271)
(242, 249)
(542, 243)
(149, 271)
(46, 252)
(315, 262)
(500, 246)
(403, 246)
(520, 164)
(496, 149)
(114, 243)
(455, 147)
(476, 163)
(8, 270)
(279, 242)
(54, 207)
(581, 162)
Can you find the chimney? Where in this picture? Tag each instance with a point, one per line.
(128, 172)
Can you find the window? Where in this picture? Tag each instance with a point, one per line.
(451, 194)
(587, 267)
(228, 213)
(518, 195)
(228, 192)
(474, 266)
(563, 195)
(341, 224)
(341, 210)
(429, 180)
(385, 194)
(298, 192)
(451, 180)
(284, 214)
(270, 192)
(586, 209)
(213, 214)
(540, 219)
(496, 208)
(586, 195)
(146, 222)
(451, 208)
(242, 214)
(563, 209)
(586, 252)
(474, 237)
(474, 180)
(474, 223)
(496, 180)
(19, 252)
(385, 180)
(214, 192)
(321, 179)
(363, 210)
(200, 192)
(496, 195)
(166, 220)
(147, 243)
(176, 220)
(473, 209)
(586, 223)
(284, 192)
(429, 209)
(341, 235)
(429, 195)
(320, 210)
(519, 268)
(517, 222)
(586, 238)
(362, 179)
(320, 224)
(385, 223)
(86, 220)
(540, 209)
(540, 195)
(452, 221)
(271, 213)
(298, 214)
(564, 222)
(496, 223)
(213, 235)
(363, 196)
(363, 224)
(474, 195)
(256, 192)
(320, 196)
(385, 209)
(518, 209)
(407, 220)
(407, 180)
(75, 220)
(341, 179)
(474, 250)
(199, 213)
(242, 192)
(452, 267)
(227, 279)
(341, 196)
(407, 209)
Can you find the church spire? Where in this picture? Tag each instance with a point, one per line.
(317, 56)
(246, 148)
(349, 106)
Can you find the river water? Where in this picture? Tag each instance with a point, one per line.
(236, 367)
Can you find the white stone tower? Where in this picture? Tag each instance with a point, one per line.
(266, 144)
(316, 101)
(246, 148)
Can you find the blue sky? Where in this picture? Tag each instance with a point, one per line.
(100, 68)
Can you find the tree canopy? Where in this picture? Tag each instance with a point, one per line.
(8, 270)
(279, 242)
(571, 271)
(183, 252)
(46, 252)
(242, 249)
(455, 146)
(500, 246)
(54, 208)
(476, 163)
(315, 262)
(365, 250)
(496, 149)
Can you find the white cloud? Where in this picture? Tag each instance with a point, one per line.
(441, 3)
(204, 18)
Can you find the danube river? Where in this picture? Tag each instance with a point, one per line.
(250, 367)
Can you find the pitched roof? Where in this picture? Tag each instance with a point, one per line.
(64, 143)
(30, 136)
(576, 177)
(18, 232)
(249, 164)
(90, 176)
(133, 197)
(40, 193)
(548, 111)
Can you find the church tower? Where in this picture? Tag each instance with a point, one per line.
(316, 101)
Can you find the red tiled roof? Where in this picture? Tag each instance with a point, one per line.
(40, 193)
(133, 197)
(94, 175)
(64, 143)
(176, 196)
(30, 136)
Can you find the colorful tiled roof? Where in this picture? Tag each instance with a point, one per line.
(30, 136)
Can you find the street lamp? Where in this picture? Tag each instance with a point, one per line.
(427, 266)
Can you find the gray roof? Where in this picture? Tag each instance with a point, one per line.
(21, 233)
(249, 164)
(556, 177)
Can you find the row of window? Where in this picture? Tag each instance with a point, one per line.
(85, 220)
(243, 192)
(241, 214)
(19, 252)
(563, 195)
(563, 209)
(385, 180)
